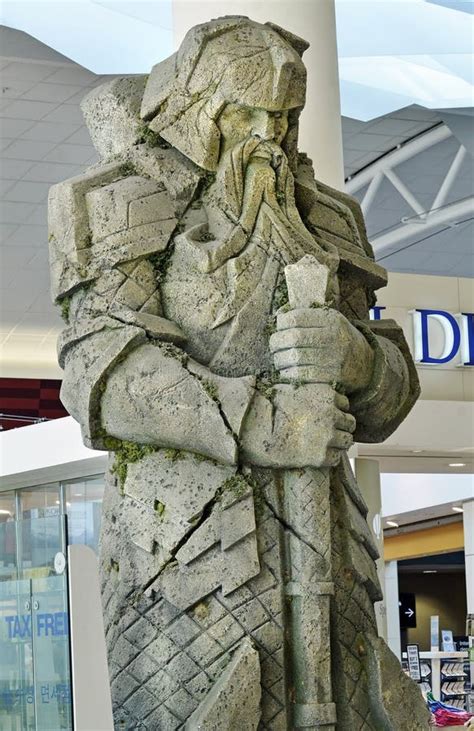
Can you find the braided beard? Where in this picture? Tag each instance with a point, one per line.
(253, 198)
(252, 218)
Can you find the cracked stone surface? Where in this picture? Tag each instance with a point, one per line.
(217, 343)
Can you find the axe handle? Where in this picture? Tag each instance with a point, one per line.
(307, 511)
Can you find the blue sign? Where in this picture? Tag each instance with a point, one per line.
(375, 312)
(452, 335)
(457, 331)
(47, 624)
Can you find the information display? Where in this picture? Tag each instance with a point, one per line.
(413, 655)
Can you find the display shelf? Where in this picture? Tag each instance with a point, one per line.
(443, 674)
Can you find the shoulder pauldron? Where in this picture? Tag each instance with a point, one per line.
(336, 220)
(116, 212)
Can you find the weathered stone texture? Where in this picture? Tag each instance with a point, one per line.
(218, 345)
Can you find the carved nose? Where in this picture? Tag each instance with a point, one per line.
(265, 127)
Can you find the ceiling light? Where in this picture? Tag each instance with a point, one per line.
(5, 512)
(430, 571)
(392, 523)
(416, 451)
(57, 502)
(457, 509)
(457, 464)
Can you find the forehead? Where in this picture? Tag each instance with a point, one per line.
(269, 104)
(275, 87)
(243, 110)
(261, 70)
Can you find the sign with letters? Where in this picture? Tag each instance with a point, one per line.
(413, 655)
(456, 332)
(51, 624)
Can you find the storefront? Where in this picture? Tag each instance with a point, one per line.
(37, 524)
(22, 548)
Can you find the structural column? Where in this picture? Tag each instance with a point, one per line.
(468, 520)
(392, 606)
(368, 478)
(313, 20)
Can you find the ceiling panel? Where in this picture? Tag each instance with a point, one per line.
(447, 249)
(45, 141)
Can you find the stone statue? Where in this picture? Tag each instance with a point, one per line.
(219, 346)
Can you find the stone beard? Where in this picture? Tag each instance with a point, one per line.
(251, 213)
(254, 190)
(218, 345)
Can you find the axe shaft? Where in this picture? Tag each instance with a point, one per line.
(307, 510)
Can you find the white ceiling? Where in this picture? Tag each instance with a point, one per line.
(364, 142)
(392, 53)
(43, 140)
(446, 248)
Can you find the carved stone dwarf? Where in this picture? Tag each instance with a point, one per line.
(218, 344)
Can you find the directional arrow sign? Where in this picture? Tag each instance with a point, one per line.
(407, 608)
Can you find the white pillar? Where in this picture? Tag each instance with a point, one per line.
(313, 20)
(468, 520)
(391, 603)
(92, 706)
(368, 478)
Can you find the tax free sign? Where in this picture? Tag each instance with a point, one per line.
(439, 336)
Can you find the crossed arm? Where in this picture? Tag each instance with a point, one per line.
(120, 383)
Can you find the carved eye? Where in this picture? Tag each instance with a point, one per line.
(247, 113)
(242, 110)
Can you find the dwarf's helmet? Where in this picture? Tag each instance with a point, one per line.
(228, 60)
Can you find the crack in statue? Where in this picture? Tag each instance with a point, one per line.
(219, 346)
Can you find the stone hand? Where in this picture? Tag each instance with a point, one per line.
(319, 345)
(306, 426)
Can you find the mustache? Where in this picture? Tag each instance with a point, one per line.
(254, 183)
(238, 164)
(269, 150)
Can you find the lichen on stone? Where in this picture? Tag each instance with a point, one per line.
(114, 566)
(322, 305)
(126, 169)
(174, 454)
(270, 326)
(280, 196)
(201, 610)
(65, 305)
(161, 261)
(266, 382)
(159, 508)
(280, 295)
(237, 484)
(151, 138)
(210, 388)
(125, 453)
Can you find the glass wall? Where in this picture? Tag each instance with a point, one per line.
(83, 506)
(35, 678)
(20, 525)
(7, 535)
(36, 524)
